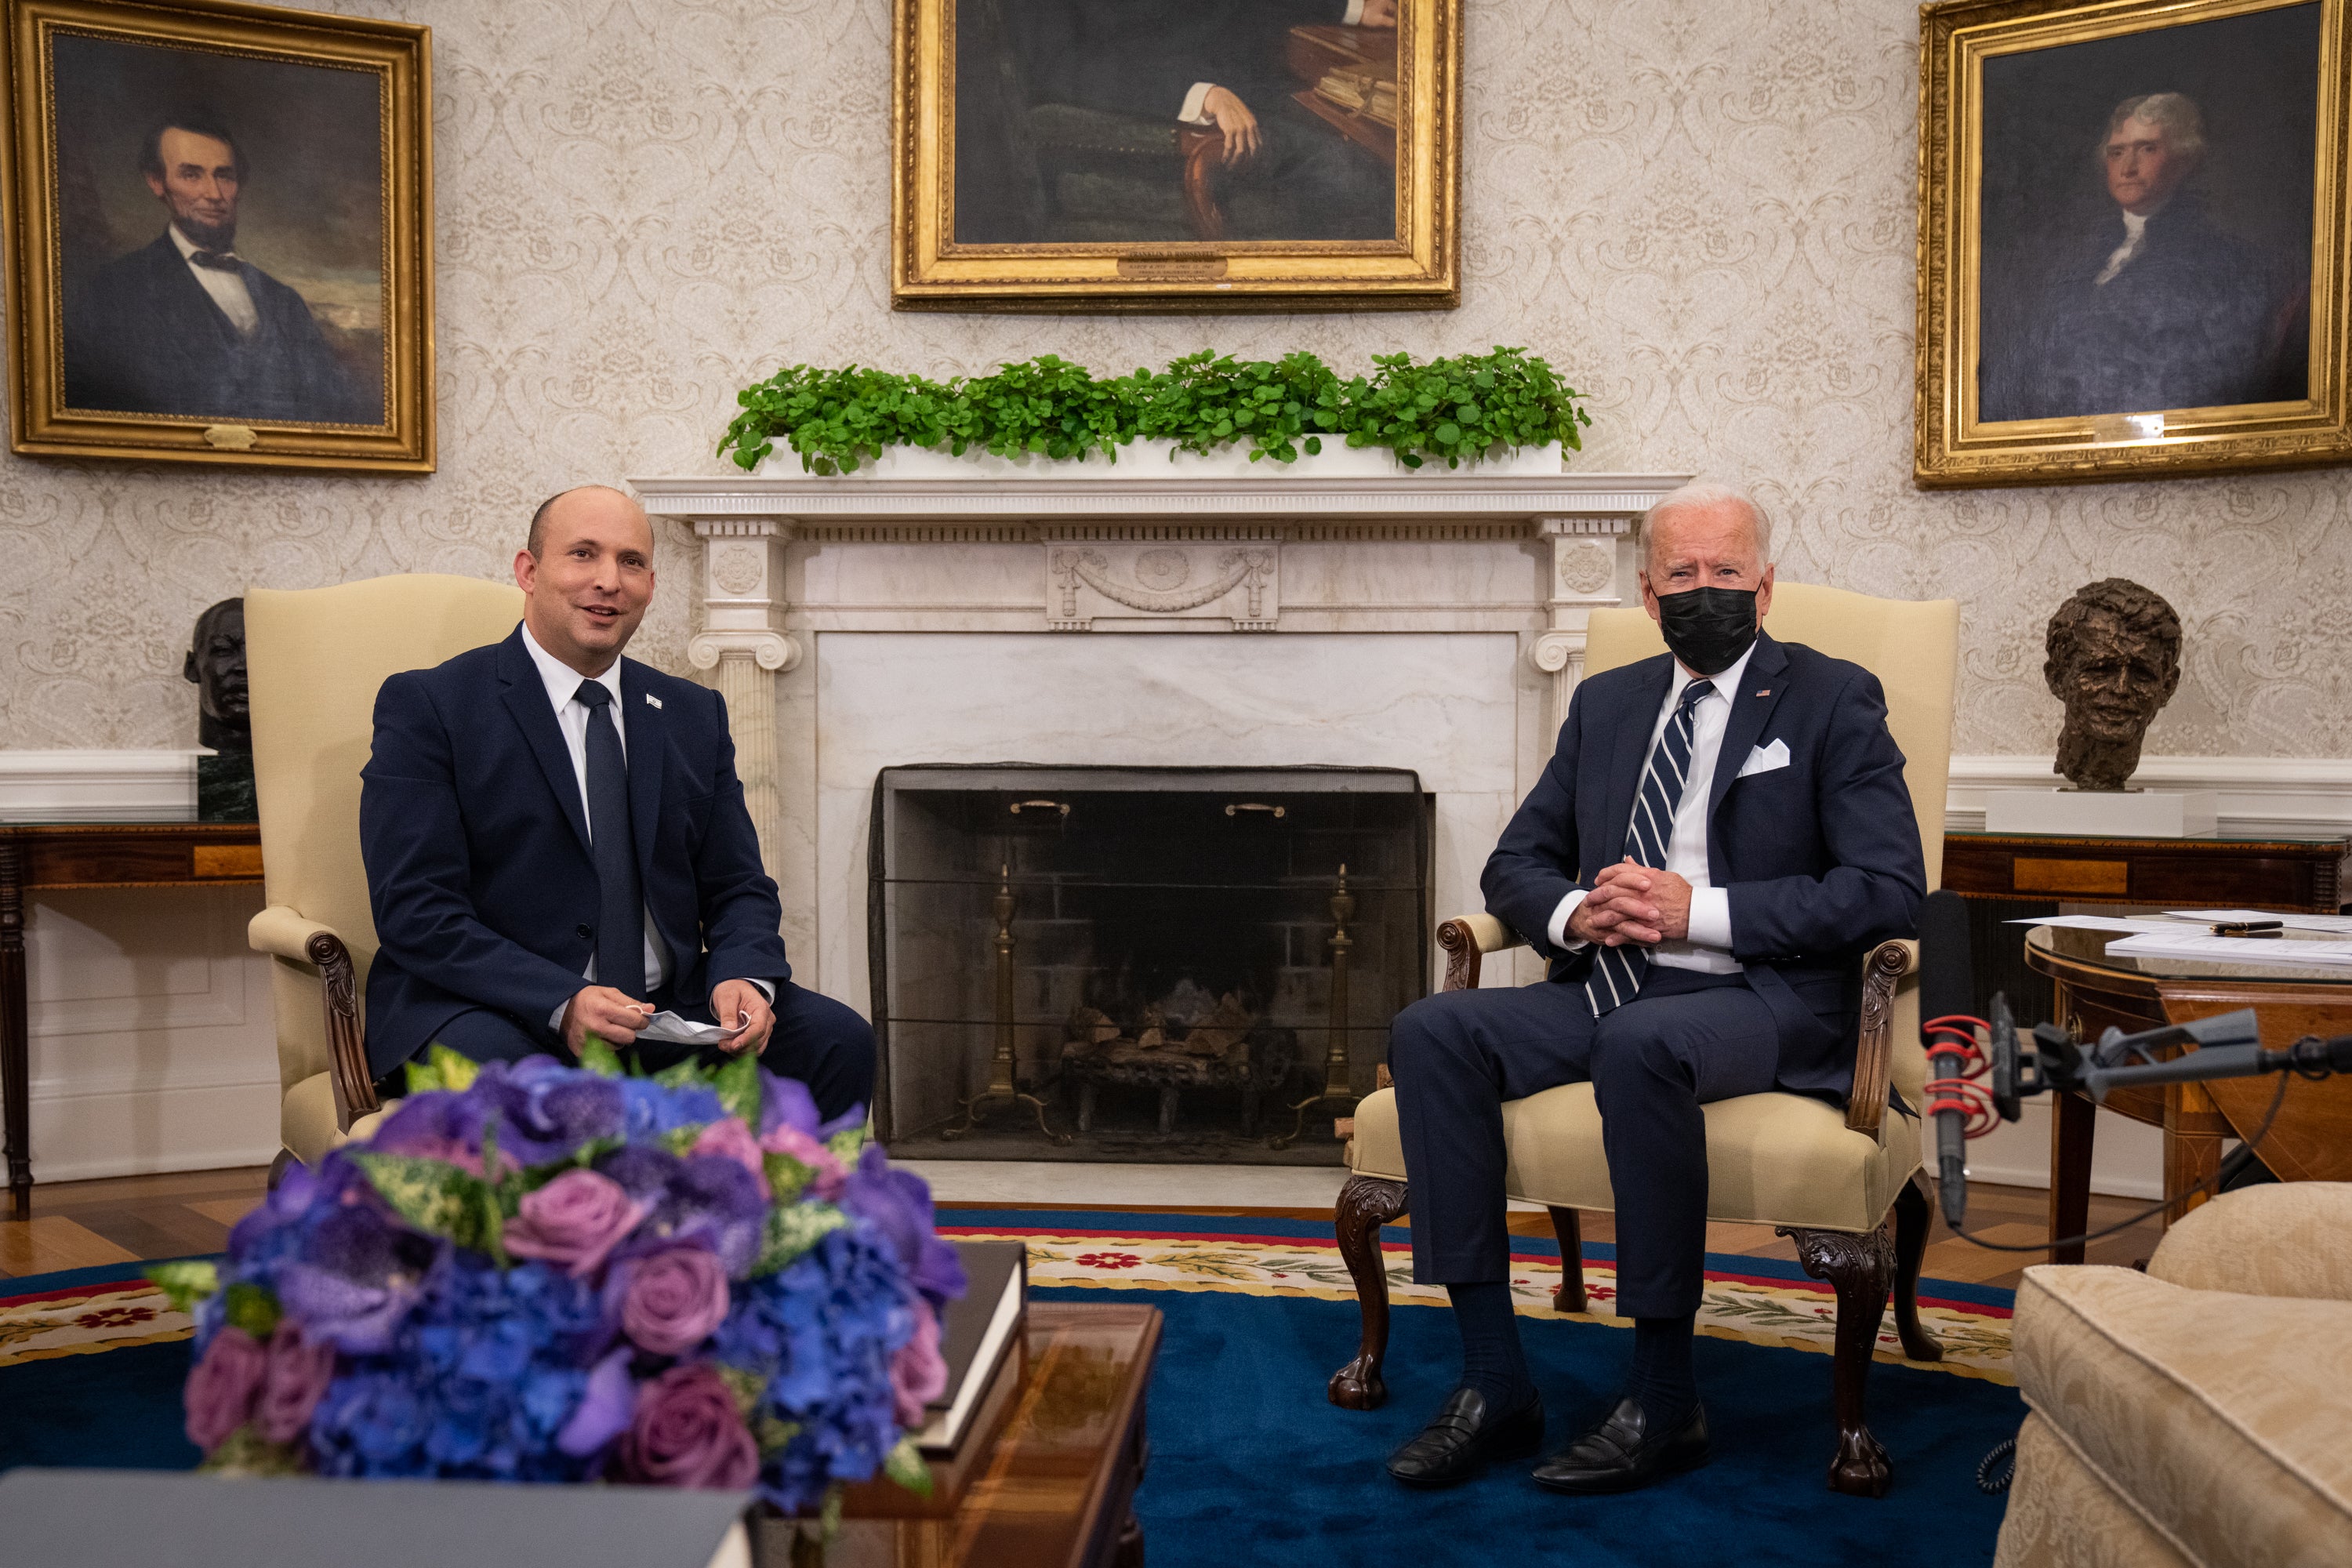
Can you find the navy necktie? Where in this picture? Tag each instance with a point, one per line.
(1617, 972)
(620, 913)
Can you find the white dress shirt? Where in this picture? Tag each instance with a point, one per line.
(571, 717)
(227, 289)
(1708, 948)
(2135, 236)
(1190, 114)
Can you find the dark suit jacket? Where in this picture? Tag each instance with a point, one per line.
(476, 847)
(2197, 319)
(143, 337)
(1821, 858)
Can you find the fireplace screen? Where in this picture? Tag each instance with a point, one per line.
(1147, 964)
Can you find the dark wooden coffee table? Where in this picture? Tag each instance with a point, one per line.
(1057, 1487)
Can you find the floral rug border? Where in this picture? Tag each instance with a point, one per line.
(1783, 1314)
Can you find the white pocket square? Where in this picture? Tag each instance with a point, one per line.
(1764, 759)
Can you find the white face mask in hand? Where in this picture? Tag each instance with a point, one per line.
(671, 1029)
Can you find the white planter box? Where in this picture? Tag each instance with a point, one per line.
(1145, 459)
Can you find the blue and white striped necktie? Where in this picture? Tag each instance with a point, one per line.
(1617, 970)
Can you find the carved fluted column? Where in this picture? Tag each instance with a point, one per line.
(745, 640)
(1584, 576)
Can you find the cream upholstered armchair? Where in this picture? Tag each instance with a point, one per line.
(1844, 1185)
(314, 659)
(2196, 1413)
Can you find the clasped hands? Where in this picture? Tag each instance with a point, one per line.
(1631, 903)
(615, 1018)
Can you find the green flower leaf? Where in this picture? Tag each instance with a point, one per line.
(787, 1177)
(744, 1386)
(683, 1074)
(253, 1308)
(791, 1230)
(186, 1283)
(436, 1198)
(906, 1467)
(599, 1057)
(845, 1144)
(738, 1086)
(244, 1452)
(772, 1434)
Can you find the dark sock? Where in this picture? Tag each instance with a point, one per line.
(1492, 1362)
(1662, 1379)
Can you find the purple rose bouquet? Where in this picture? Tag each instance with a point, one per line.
(541, 1273)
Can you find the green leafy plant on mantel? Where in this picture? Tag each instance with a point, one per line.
(1455, 408)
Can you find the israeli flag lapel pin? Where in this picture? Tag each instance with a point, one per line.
(652, 700)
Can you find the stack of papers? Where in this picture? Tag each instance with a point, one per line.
(2101, 922)
(2213, 949)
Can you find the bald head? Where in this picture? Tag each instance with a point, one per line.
(587, 574)
(605, 494)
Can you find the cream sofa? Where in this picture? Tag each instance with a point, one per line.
(2200, 1412)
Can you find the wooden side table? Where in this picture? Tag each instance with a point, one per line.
(2311, 1139)
(39, 857)
(2007, 877)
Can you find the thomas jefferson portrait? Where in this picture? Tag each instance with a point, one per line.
(221, 234)
(2168, 267)
(1126, 121)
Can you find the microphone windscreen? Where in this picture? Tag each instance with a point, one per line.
(1947, 976)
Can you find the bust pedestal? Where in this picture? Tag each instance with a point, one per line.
(2105, 814)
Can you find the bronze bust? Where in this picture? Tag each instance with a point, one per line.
(216, 663)
(2114, 659)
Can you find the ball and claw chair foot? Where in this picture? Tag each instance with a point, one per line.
(1859, 1268)
(1366, 1204)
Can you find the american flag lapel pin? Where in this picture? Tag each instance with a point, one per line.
(1765, 691)
(652, 700)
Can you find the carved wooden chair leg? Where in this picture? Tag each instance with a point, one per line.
(1569, 1296)
(1911, 1214)
(1366, 1204)
(1858, 1267)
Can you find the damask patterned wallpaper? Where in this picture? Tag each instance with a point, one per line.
(1705, 212)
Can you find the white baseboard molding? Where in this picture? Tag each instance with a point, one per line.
(80, 1137)
(2289, 796)
(99, 786)
(2127, 1156)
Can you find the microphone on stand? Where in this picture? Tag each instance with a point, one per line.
(1947, 995)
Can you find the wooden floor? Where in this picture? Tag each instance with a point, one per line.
(77, 1225)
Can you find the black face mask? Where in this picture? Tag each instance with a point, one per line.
(1708, 628)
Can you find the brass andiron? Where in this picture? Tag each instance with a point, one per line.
(1001, 1062)
(1337, 1089)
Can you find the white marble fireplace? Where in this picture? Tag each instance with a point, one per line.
(1430, 622)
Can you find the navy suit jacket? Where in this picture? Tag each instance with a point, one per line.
(476, 847)
(1821, 858)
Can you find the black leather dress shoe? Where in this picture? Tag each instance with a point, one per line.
(1623, 1454)
(1456, 1445)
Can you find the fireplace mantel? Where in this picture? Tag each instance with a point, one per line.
(934, 510)
(1017, 575)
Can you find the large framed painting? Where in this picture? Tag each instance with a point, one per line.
(2134, 240)
(1176, 154)
(218, 235)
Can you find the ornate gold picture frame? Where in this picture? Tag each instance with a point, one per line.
(2135, 239)
(219, 235)
(1057, 155)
